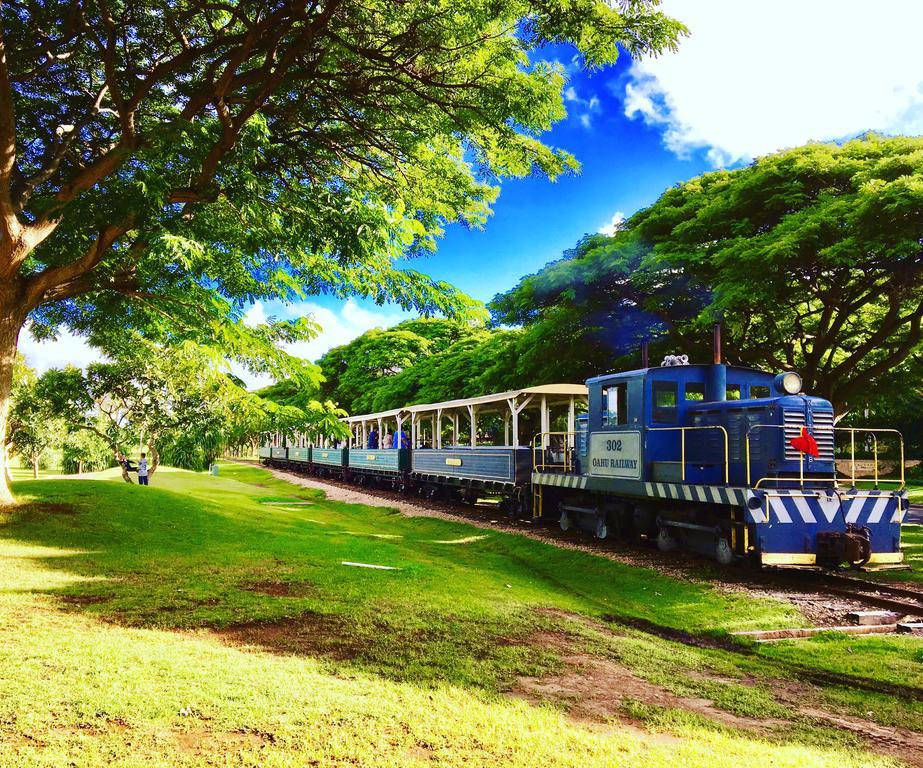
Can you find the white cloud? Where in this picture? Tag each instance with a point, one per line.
(68, 349)
(756, 78)
(341, 326)
(338, 327)
(583, 108)
(613, 225)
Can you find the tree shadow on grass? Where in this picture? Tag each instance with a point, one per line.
(160, 560)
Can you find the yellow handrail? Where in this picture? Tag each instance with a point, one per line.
(874, 433)
(682, 447)
(834, 478)
(538, 449)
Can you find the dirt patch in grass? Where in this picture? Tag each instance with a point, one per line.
(280, 588)
(602, 691)
(41, 510)
(310, 634)
(200, 741)
(84, 599)
(597, 689)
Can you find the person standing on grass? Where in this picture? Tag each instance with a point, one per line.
(142, 470)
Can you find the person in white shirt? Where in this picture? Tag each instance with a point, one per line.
(142, 470)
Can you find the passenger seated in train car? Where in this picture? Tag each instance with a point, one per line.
(387, 440)
(373, 438)
(401, 439)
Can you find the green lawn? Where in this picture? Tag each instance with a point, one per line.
(210, 620)
(915, 492)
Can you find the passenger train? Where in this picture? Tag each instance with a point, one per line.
(730, 461)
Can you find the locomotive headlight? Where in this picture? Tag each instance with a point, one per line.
(788, 383)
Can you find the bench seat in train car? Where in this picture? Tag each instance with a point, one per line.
(489, 465)
(331, 457)
(279, 453)
(265, 452)
(380, 460)
(301, 455)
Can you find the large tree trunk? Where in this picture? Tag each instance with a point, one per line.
(11, 320)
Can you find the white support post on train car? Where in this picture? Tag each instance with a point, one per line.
(506, 429)
(380, 433)
(455, 429)
(472, 415)
(438, 436)
(571, 423)
(545, 422)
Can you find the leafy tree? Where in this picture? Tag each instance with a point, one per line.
(32, 431)
(811, 258)
(84, 451)
(163, 164)
(179, 403)
(354, 372)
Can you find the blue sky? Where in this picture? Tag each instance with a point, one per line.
(751, 79)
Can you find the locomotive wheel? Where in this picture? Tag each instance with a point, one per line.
(666, 542)
(723, 552)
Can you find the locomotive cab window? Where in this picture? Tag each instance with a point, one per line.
(615, 405)
(757, 392)
(695, 390)
(664, 401)
(733, 392)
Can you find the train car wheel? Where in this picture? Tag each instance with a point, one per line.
(565, 522)
(602, 527)
(666, 542)
(723, 552)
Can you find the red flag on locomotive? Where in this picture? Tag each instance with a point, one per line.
(805, 443)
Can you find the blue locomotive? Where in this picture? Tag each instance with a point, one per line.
(731, 461)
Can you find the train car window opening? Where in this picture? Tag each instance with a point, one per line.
(664, 399)
(757, 392)
(695, 390)
(615, 405)
(732, 392)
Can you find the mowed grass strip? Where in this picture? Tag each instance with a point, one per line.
(198, 621)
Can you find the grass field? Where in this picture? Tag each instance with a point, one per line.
(211, 620)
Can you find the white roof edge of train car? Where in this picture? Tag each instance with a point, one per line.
(562, 390)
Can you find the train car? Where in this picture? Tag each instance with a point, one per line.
(731, 461)
(457, 452)
(329, 461)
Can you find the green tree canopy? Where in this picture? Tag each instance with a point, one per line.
(810, 257)
(164, 164)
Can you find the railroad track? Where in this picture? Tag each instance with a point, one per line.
(891, 597)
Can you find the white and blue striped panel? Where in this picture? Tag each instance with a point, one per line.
(708, 494)
(864, 508)
(873, 507)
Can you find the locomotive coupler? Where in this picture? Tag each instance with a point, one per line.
(853, 546)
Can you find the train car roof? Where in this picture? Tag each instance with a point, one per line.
(563, 391)
(375, 416)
